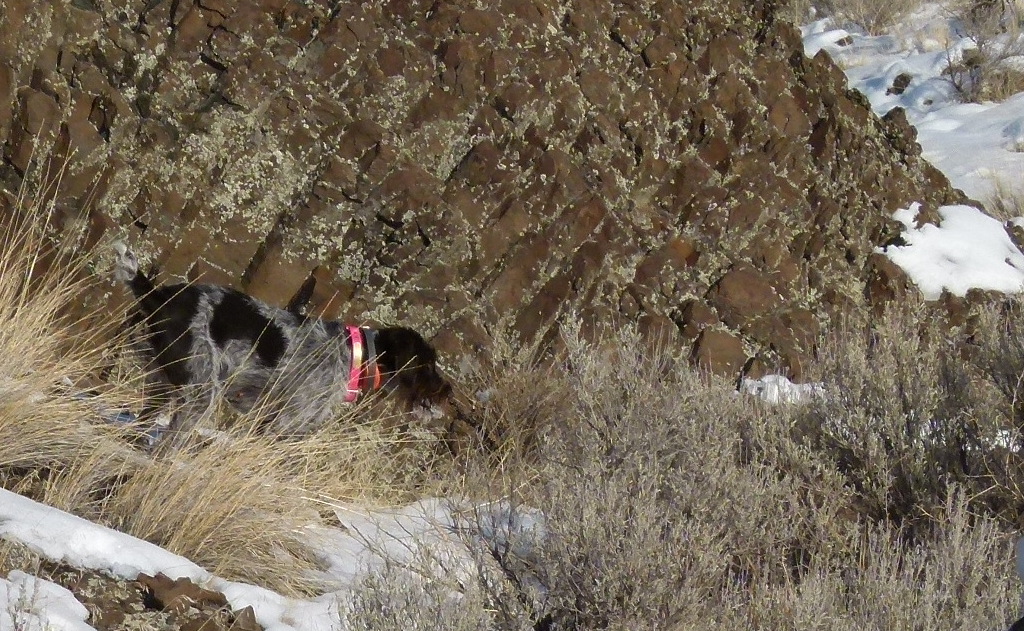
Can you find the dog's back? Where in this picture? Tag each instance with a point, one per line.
(209, 341)
(199, 332)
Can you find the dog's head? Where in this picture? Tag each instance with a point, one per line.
(409, 365)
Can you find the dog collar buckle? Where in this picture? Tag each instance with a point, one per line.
(355, 336)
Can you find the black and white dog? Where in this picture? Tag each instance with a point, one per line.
(208, 341)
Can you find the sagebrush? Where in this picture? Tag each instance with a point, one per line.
(672, 502)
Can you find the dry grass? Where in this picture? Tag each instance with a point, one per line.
(876, 17)
(241, 503)
(670, 502)
(1006, 201)
(238, 504)
(909, 416)
(390, 600)
(230, 507)
(44, 425)
(989, 71)
(797, 12)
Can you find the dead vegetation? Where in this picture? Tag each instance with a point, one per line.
(669, 501)
(986, 44)
(236, 502)
(989, 70)
(875, 17)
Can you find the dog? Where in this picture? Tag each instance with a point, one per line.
(210, 342)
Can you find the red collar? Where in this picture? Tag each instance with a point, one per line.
(364, 372)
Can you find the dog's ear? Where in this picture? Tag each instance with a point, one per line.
(297, 305)
(398, 348)
(410, 362)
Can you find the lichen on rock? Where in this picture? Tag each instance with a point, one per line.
(466, 167)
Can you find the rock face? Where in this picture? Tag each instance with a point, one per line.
(473, 171)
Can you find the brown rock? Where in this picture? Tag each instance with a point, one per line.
(485, 23)
(662, 49)
(804, 328)
(600, 88)
(38, 118)
(482, 165)
(203, 271)
(631, 31)
(745, 214)
(84, 135)
(743, 294)
(1016, 234)
(514, 100)
(676, 254)
(715, 151)
(477, 167)
(192, 29)
(462, 66)
(6, 100)
(721, 54)
(204, 623)
(519, 272)
(659, 329)
(245, 620)
(392, 62)
(179, 594)
(900, 132)
(787, 116)
(719, 352)
(886, 282)
(695, 317)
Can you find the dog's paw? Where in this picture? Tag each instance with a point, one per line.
(427, 413)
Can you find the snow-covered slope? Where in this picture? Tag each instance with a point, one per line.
(975, 145)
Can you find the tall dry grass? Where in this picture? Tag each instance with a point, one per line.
(46, 349)
(242, 504)
(989, 70)
(239, 503)
(875, 17)
(1005, 202)
(910, 413)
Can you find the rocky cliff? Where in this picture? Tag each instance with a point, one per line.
(473, 168)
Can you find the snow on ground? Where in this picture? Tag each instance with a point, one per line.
(968, 249)
(777, 389)
(33, 604)
(65, 538)
(428, 537)
(973, 144)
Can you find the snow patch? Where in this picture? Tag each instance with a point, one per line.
(967, 250)
(778, 389)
